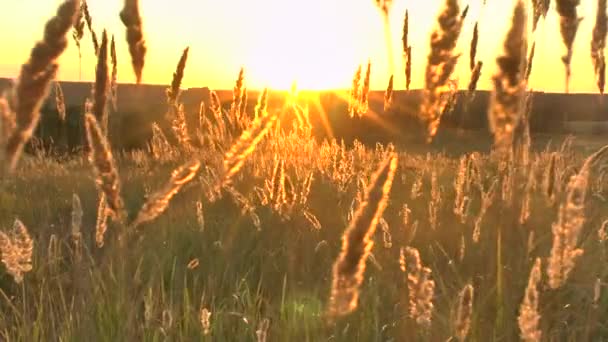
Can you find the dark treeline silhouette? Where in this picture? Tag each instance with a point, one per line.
(140, 106)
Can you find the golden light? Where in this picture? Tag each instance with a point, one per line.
(319, 43)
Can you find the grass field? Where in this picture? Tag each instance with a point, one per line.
(281, 269)
(244, 226)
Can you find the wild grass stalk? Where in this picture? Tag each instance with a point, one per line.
(571, 218)
(174, 91)
(530, 62)
(247, 142)
(568, 26)
(388, 95)
(101, 90)
(421, 288)
(159, 201)
(237, 96)
(540, 8)
(89, 21)
(17, 249)
(364, 101)
(114, 80)
(131, 18)
(355, 94)
(464, 312)
(77, 35)
(101, 224)
(473, 48)
(60, 102)
(598, 45)
(408, 69)
(357, 242)
(440, 65)
(35, 80)
(506, 103)
(106, 172)
(529, 315)
(475, 75)
(406, 29)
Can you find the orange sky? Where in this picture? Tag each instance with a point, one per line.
(319, 43)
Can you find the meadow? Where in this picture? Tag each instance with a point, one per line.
(243, 226)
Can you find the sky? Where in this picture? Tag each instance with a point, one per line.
(317, 43)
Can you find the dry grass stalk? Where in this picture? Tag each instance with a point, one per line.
(550, 178)
(530, 61)
(523, 138)
(247, 142)
(487, 199)
(421, 288)
(106, 172)
(89, 21)
(540, 8)
(388, 95)
(464, 313)
(174, 91)
(524, 214)
(475, 75)
(408, 69)
(386, 233)
(131, 18)
(76, 217)
(529, 317)
(598, 44)
(463, 14)
(114, 81)
(159, 201)
(101, 225)
(7, 125)
(509, 83)
(277, 184)
(237, 95)
(200, 216)
(473, 48)
(406, 29)
(570, 221)
(77, 35)
(602, 233)
(216, 105)
(364, 101)
(243, 108)
(35, 80)
(17, 249)
(59, 101)
(76, 227)
(180, 126)
(102, 84)
(355, 95)
(262, 332)
(357, 241)
(205, 317)
(568, 26)
(435, 202)
(461, 189)
(597, 291)
(441, 63)
(262, 104)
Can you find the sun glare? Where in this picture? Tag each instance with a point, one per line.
(319, 54)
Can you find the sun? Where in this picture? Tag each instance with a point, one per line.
(320, 54)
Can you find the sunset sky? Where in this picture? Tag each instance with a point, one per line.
(319, 43)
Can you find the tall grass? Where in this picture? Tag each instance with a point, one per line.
(243, 237)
